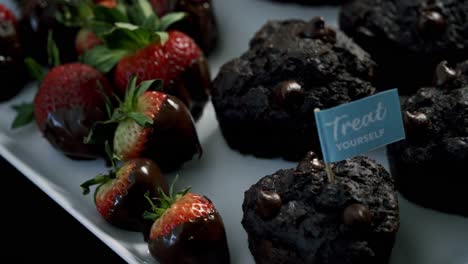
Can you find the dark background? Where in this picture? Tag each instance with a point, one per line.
(35, 229)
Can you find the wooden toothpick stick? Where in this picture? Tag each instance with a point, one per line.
(328, 168)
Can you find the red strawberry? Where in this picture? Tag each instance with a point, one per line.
(157, 61)
(107, 3)
(68, 103)
(12, 72)
(7, 16)
(86, 40)
(120, 197)
(154, 125)
(187, 229)
(200, 23)
(146, 50)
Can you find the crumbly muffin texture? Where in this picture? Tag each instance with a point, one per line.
(435, 153)
(408, 38)
(353, 220)
(265, 99)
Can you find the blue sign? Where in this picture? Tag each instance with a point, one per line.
(360, 126)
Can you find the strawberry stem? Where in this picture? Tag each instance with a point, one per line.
(100, 179)
(165, 201)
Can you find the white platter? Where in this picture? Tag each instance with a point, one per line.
(425, 237)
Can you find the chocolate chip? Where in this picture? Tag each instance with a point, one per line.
(311, 163)
(416, 124)
(316, 29)
(289, 94)
(268, 204)
(444, 74)
(432, 22)
(357, 215)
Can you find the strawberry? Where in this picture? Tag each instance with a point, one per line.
(106, 3)
(154, 125)
(86, 40)
(138, 45)
(119, 197)
(7, 16)
(187, 229)
(12, 72)
(200, 23)
(39, 17)
(162, 7)
(68, 103)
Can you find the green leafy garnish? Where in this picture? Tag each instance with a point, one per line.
(24, 116)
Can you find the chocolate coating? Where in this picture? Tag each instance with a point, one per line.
(200, 23)
(38, 18)
(12, 70)
(357, 215)
(128, 208)
(193, 86)
(174, 139)
(268, 204)
(66, 129)
(200, 241)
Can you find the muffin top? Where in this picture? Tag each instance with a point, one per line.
(293, 67)
(422, 26)
(300, 210)
(436, 119)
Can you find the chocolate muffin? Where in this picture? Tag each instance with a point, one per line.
(429, 166)
(298, 216)
(408, 39)
(265, 99)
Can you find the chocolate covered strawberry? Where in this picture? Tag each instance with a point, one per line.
(119, 197)
(138, 45)
(12, 72)
(38, 18)
(200, 23)
(154, 125)
(187, 228)
(69, 101)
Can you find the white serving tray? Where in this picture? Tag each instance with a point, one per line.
(425, 237)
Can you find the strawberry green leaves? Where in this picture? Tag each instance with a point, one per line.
(25, 115)
(34, 69)
(52, 51)
(128, 109)
(169, 19)
(126, 29)
(103, 58)
(164, 201)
